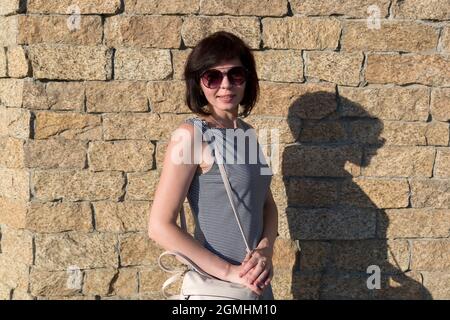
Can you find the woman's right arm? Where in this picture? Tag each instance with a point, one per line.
(170, 193)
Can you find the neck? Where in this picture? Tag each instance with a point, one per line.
(224, 119)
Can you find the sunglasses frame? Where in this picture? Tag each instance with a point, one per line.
(223, 76)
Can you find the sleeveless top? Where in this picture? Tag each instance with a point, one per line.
(215, 223)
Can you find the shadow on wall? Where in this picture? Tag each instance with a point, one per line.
(340, 230)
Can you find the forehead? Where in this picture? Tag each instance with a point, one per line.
(228, 64)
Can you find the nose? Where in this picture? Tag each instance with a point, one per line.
(225, 82)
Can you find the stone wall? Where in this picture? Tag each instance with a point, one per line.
(360, 93)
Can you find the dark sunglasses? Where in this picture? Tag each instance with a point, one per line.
(212, 78)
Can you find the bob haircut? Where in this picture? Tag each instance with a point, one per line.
(216, 48)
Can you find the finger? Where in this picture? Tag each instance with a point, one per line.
(256, 272)
(247, 267)
(269, 278)
(261, 280)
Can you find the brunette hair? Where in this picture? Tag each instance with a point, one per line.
(217, 47)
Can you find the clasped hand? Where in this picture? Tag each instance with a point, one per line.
(257, 269)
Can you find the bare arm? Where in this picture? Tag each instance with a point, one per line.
(270, 222)
(170, 193)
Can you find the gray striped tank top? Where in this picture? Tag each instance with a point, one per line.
(215, 224)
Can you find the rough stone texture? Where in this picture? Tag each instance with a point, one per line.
(309, 101)
(442, 166)
(14, 184)
(54, 217)
(17, 62)
(375, 193)
(85, 6)
(115, 96)
(11, 92)
(14, 274)
(143, 31)
(65, 62)
(179, 58)
(142, 186)
(330, 161)
(398, 162)
(12, 154)
(167, 96)
(411, 103)
(67, 125)
(55, 153)
(279, 65)
(54, 95)
(14, 122)
(128, 216)
(340, 68)
(309, 192)
(17, 245)
(126, 284)
(195, 28)
(301, 33)
(313, 255)
(399, 133)
(390, 256)
(321, 224)
(440, 104)
(72, 249)
(34, 29)
(13, 213)
(120, 155)
(51, 283)
(3, 70)
(285, 253)
(73, 185)
(414, 223)
(287, 130)
(407, 69)
(446, 40)
(98, 281)
(10, 30)
(315, 131)
(162, 7)
(296, 285)
(417, 9)
(131, 126)
(142, 64)
(250, 8)
(433, 193)
(392, 36)
(438, 283)
(9, 7)
(431, 255)
(351, 8)
(138, 249)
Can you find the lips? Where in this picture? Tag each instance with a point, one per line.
(226, 98)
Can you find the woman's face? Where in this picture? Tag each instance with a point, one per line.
(227, 96)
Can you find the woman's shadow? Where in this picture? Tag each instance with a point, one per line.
(344, 252)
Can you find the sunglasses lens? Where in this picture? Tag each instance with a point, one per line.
(237, 75)
(212, 78)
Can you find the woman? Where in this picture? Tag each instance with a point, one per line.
(220, 77)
